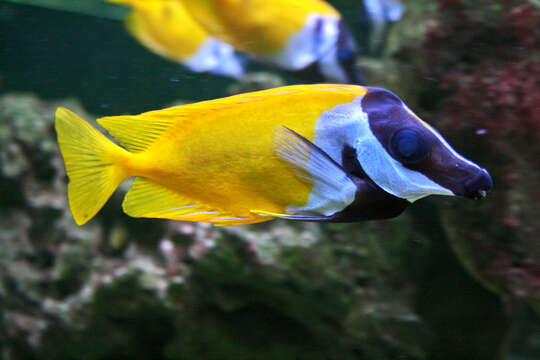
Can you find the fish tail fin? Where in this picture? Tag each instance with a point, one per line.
(94, 164)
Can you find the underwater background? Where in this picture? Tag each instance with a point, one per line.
(448, 279)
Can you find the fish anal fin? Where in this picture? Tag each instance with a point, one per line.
(151, 200)
(299, 217)
(146, 198)
(240, 221)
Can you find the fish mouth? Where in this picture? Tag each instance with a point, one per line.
(479, 195)
(477, 187)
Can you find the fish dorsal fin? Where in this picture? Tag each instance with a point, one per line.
(332, 189)
(151, 200)
(138, 132)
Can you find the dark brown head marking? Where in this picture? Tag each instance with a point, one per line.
(418, 147)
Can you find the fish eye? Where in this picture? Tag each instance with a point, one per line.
(408, 146)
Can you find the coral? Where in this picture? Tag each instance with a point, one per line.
(484, 56)
(475, 76)
(506, 99)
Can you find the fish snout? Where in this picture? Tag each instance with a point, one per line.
(478, 186)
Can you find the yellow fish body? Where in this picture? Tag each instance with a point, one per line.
(305, 152)
(166, 28)
(210, 161)
(270, 23)
(290, 34)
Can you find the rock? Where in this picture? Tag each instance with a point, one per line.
(95, 289)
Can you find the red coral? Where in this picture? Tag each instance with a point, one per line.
(504, 100)
(522, 280)
(489, 69)
(524, 23)
(487, 60)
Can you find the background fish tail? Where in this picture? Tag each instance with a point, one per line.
(93, 164)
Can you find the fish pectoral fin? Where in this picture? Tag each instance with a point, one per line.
(306, 159)
(290, 216)
(332, 189)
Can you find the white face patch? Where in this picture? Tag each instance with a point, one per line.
(339, 126)
(347, 124)
(381, 13)
(388, 173)
(217, 58)
(331, 68)
(317, 37)
(332, 191)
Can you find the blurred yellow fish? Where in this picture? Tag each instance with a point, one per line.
(292, 34)
(305, 152)
(166, 28)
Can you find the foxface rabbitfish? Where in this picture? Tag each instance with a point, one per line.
(305, 36)
(166, 28)
(306, 152)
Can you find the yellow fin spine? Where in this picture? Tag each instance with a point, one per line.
(135, 132)
(146, 198)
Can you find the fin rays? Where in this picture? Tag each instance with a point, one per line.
(332, 189)
(135, 132)
(91, 162)
(151, 200)
(148, 199)
(290, 216)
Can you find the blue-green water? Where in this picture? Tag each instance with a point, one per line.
(92, 59)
